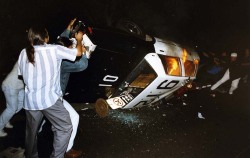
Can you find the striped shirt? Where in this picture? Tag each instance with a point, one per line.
(42, 80)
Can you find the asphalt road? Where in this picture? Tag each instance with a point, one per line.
(168, 130)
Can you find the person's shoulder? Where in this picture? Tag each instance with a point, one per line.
(22, 52)
(47, 47)
(53, 46)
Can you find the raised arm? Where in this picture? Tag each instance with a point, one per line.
(66, 32)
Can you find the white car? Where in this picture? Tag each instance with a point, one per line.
(127, 71)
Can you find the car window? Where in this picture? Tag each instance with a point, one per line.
(171, 65)
(190, 68)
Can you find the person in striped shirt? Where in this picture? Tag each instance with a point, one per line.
(39, 66)
(67, 67)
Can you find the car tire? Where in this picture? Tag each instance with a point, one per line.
(130, 27)
(102, 107)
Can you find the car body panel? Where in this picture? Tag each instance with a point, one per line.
(128, 71)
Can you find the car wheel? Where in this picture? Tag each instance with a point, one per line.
(102, 107)
(130, 27)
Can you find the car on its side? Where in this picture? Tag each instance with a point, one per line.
(127, 71)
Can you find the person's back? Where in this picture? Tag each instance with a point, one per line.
(43, 78)
(234, 72)
(39, 66)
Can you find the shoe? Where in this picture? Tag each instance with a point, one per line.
(73, 154)
(200, 116)
(3, 134)
(8, 125)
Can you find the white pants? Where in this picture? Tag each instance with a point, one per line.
(226, 77)
(74, 117)
(75, 121)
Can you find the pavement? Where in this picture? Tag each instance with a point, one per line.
(171, 129)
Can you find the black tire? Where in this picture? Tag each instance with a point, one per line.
(130, 27)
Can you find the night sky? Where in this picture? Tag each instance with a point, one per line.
(212, 25)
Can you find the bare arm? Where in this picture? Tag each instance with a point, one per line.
(66, 32)
(69, 27)
(78, 37)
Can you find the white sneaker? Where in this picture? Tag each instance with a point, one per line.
(3, 134)
(8, 125)
(200, 116)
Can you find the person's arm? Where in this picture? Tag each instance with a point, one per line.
(76, 66)
(66, 32)
(78, 37)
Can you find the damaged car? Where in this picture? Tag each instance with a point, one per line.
(127, 71)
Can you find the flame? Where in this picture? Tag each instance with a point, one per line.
(184, 55)
(173, 65)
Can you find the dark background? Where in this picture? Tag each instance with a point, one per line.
(207, 25)
(174, 131)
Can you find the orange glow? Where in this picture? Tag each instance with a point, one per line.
(189, 85)
(184, 55)
(196, 61)
(143, 80)
(173, 66)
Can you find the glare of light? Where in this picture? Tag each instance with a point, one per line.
(189, 85)
(196, 61)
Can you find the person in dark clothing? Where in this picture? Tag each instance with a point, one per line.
(234, 73)
(201, 102)
(211, 70)
(224, 59)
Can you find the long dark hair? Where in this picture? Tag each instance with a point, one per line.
(64, 41)
(36, 36)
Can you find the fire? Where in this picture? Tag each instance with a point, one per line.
(173, 66)
(184, 55)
